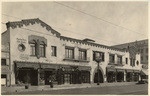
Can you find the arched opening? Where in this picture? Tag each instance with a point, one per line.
(101, 79)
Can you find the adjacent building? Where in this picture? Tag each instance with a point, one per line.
(38, 53)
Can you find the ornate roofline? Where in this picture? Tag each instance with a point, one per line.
(27, 22)
(89, 43)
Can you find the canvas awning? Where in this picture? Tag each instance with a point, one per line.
(120, 70)
(129, 70)
(144, 72)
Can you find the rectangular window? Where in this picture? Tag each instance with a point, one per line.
(32, 49)
(130, 61)
(111, 58)
(141, 50)
(147, 57)
(141, 58)
(119, 59)
(42, 50)
(54, 51)
(69, 52)
(82, 54)
(3, 61)
(126, 60)
(97, 54)
(146, 50)
(133, 62)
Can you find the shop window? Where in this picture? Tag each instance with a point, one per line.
(119, 59)
(69, 52)
(97, 54)
(146, 50)
(111, 58)
(126, 60)
(141, 50)
(54, 51)
(141, 58)
(147, 57)
(3, 61)
(42, 50)
(82, 54)
(130, 61)
(133, 62)
(32, 49)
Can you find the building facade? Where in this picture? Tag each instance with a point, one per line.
(39, 53)
(5, 68)
(138, 46)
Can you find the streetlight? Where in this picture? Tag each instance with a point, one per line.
(98, 60)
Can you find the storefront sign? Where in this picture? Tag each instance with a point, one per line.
(24, 56)
(21, 40)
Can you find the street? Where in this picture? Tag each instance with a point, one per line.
(139, 89)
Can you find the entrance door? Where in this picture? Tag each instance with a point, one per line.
(120, 77)
(66, 78)
(101, 80)
(47, 75)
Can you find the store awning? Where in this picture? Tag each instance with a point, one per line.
(50, 66)
(27, 65)
(129, 70)
(144, 72)
(120, 70)
(136, 71)
(86, 68)
(111, 70)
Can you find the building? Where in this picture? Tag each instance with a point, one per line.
(39, 53)
(5, 72)
(139, 46)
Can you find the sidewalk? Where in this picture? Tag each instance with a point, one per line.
(60, 87)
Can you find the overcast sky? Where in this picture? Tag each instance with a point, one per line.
(131, 15)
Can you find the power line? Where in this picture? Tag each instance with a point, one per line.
(63, 30)
(68, 31)
(98, 18)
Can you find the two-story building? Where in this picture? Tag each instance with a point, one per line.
(38, 53)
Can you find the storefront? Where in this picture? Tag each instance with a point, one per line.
(129, 75)
(40, 74)
(111, 75)
(120, 75)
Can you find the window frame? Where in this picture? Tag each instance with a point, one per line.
(32, 45)
(2, 61)
(110, 61)
(69, 52)
(54, 51)
(103, 55)
(82, 54)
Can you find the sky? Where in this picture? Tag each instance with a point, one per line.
(108, 23)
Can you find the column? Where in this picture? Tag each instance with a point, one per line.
(115, 58)
(76, 53)
(124, 76)
(38, 76)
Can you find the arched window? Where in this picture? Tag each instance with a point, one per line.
(32, 48)
(42, 49)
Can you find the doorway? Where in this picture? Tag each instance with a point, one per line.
(101, 79)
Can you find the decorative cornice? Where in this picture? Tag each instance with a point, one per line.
(28, 22)
(89, 43)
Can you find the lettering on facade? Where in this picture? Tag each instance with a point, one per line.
(20, 40)
(24, 56)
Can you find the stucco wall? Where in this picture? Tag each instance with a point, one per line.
(22, 33)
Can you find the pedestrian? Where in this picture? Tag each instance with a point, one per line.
(51, 81)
